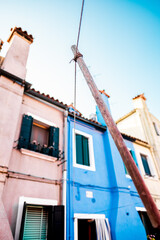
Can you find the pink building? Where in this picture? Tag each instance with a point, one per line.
(32, 146)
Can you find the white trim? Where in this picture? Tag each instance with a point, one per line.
(89, 216)
(42, 120)
(151, 167)
(91, 151)
(28, 200)
(84, 216)
(37, 155)
(141, 209)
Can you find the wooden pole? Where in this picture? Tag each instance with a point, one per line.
(152, 210)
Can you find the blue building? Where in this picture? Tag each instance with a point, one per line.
(101, 200)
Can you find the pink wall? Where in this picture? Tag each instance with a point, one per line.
(42, 168)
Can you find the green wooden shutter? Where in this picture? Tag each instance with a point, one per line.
(79, 149)
(36, 223)
(22, 222)
(54, 141)
(135, 160)
(134, 157)
(25, 133)
(85, 151)
(145, 165)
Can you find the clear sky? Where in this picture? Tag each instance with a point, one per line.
(120, 43)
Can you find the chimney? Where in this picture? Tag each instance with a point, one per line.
(105, 97)
(139, 101)
(16, 58)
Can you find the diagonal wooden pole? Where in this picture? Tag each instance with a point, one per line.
(152, 210)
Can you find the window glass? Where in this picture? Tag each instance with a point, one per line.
(40, 135)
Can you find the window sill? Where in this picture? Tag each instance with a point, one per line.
(128, 176)
(37, 155)
(89, 168)
(150, 177)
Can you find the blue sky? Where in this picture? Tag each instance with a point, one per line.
(120, 42)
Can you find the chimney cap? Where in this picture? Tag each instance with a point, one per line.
(20, 32)
(103, 92)
(140, 96)
(1, 44)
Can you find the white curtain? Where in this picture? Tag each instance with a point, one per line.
(103, 229)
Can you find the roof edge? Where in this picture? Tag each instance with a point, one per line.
(135, 140)
(45, 98)
(126, 115)
(16, 79)
(97, 125)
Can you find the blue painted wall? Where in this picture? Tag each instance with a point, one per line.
(113, 194)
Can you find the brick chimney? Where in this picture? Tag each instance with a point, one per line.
(139, 101)
(17, 55)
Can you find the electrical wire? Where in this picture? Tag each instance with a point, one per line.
(75, 91)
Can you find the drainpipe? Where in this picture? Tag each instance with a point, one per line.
(64, 174)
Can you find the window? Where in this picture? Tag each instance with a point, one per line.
(35, 223)
(83, 150)
(146, 165)
(150, 231)
(39, 137)
(156, 129)
(42, 222)
(91, 227)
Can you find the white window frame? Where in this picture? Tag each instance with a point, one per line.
(84, 216)
(28, 200)
(150, 164)
(41, 120)
(156, 128)
(91, 151)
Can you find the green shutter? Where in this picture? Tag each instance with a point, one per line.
(135, 160)
(25, 133)
(36, 223)
(54, 141)
(85, 151)
(79, 147)
(145, 165)
(125, 169)
(134, 157)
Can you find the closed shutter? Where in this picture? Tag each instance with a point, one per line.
(54, 141)
(134, 157)
(85, 151)
(35, 223)
(25, 133)
(82, 150)
(56, 223)
(79, 152)
(145, 165)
